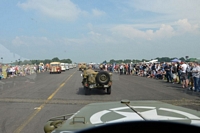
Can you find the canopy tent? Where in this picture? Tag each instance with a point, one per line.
(175, 60)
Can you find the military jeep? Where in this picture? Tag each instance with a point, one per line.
(96, 80)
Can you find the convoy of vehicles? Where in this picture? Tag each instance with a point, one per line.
(55, 67)
(58, 67)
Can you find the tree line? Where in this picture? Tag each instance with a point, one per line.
(160, 59)
(31, 62)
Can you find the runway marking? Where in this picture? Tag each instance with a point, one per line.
(37, 108)
(21, 127)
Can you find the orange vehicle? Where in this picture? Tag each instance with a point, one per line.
(55, 67)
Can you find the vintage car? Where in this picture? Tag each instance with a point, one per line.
(96, 80)
(55, 67)
(63, 67)
(67, 66)
(126, 116)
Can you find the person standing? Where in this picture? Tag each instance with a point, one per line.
(1, 71)
(190, 78)
(174, 72)
(121, 69)
(184, 76)
(168, 73)
(196, 75)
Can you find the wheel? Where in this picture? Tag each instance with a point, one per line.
(50, 72)
(103, 77)
(109, 90)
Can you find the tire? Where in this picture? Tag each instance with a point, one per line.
(109, 90)
(103, 77)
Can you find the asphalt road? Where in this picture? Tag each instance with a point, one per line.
(26, 103)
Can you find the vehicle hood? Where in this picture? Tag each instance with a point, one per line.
(108, 112)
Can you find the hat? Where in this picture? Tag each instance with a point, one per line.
(101, 66)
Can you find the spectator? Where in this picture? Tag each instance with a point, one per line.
(159, 74)
(191, 79)
(168, 73)
(196, 76)
(179, 72)
(121, 69)
(1, 76)
(174, 72)
(184, 77)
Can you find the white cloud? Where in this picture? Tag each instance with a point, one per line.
(62, 9)
(181, 8)
(93, 33)
(97, 12)
(185, 26)
(163, 11)
(25, 41)
(129, 32)
(164, 31)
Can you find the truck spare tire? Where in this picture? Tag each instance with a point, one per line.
(103, 77)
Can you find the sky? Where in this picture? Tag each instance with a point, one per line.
(98, 30)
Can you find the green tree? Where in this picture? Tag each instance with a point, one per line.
(66, 61)
(47, 61)
(182, 59)
(55, 59)
(112, 61)
(127, 61)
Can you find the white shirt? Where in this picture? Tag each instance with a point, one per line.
(196, 72)
(184, 67)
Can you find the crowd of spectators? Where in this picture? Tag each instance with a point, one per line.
(185, 73)
(9, 71)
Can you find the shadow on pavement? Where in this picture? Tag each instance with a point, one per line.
(81, 91)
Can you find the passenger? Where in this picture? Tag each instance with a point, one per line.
(86, 73)
(90, 70)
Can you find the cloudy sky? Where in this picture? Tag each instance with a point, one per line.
(98, 30)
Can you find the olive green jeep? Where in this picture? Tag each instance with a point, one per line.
(96, 80)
